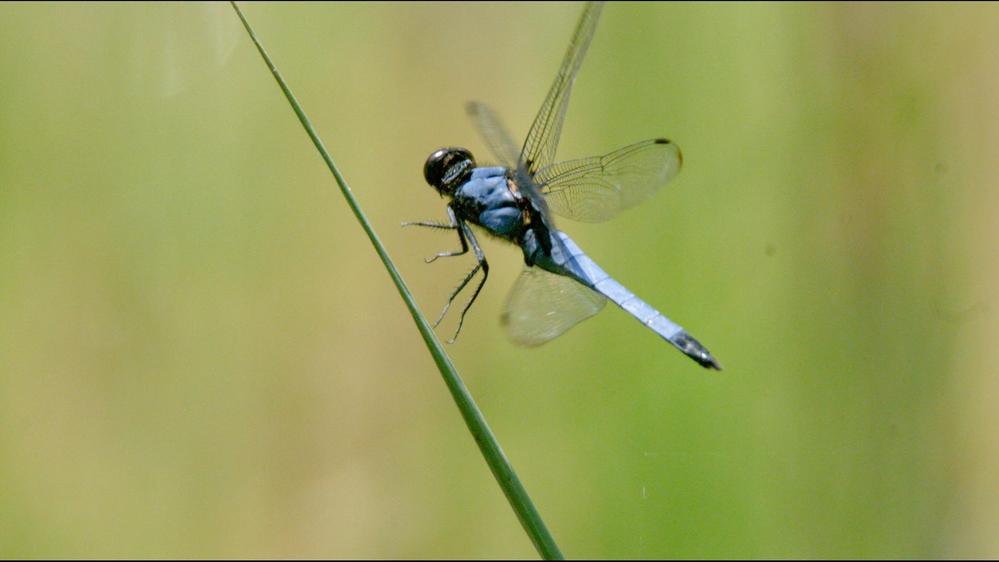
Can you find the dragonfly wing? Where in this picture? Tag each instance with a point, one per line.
(495, 135)
(542, 139)
(542, 306)
(597, 188)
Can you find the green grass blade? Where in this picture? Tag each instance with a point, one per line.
(498, 464)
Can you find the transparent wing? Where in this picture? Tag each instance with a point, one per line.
(495, 135)
(542, 140)
(542, 306)
(595, 189)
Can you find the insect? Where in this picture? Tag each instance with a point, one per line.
(561, 285)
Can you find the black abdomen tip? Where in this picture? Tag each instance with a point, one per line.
(693, 349)
(709, 362)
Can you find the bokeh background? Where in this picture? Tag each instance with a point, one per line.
(201, 355)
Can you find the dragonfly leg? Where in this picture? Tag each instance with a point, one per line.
(461, 252)
(453, 225)
(465, 236)
(464, 250)
(431, 224)
(454, 294)
(483, 265)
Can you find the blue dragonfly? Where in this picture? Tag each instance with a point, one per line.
(561, 285)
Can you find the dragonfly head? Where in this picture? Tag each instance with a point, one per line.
(447, 168)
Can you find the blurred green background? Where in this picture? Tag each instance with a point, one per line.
(201, 355)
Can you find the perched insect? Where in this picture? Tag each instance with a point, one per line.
(561, 285)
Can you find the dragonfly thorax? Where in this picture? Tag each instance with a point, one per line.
(447, 168)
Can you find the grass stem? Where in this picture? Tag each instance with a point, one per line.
(491, 451)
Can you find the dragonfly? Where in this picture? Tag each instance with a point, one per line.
(515, 201)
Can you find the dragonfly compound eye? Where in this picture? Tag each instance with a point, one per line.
(447, 168)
